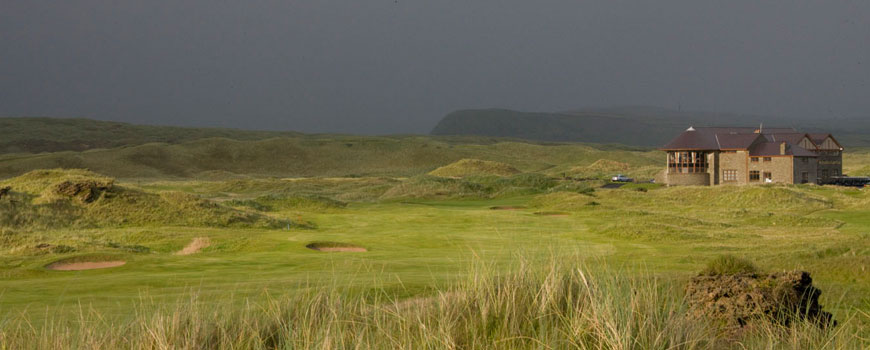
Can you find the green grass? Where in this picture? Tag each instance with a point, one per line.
(555, 303)
(319, 156)
(423, 234)
(36, 135)
(729, 265)
(474, 167)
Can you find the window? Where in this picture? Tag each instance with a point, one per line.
(768, 159)
(729, 175)
(768, 176)
(805, 177)
(687, 162)
(755, 176)
(835, 173)
(805, 160)
(825, 174)
(755, 159)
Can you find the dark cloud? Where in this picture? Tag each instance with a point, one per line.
(398, 66)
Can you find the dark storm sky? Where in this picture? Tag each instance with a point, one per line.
(379, 66)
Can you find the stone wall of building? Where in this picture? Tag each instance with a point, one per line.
(713, 168)
(781, 168)
(733, 161)
(696, 179)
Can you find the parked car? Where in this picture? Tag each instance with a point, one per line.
(621, 178)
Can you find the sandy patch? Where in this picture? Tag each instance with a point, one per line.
(507, 207)
(551, 213)
(336, 247)
(85, 265)
(194, 246)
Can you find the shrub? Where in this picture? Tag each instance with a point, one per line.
(729, 265)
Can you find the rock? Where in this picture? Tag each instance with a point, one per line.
(85, 191)
(742, 299)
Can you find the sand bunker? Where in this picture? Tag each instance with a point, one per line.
(551, 213)
(194, 246)
(335, 247)
(84, 265)
(508, 207)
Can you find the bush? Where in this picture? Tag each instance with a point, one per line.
(729, 265)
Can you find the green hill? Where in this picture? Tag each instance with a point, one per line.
(638, 126)
(323, 155)
(82, 199)
(35, 135)
(471, 167)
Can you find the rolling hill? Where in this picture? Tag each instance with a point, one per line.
(637, 125)
(36, 135)
(323, 155)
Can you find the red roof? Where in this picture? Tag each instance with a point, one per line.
(767, 149)
(765, 143)
(709, 139)
(794, 138)
(693, 139)
(736, 141)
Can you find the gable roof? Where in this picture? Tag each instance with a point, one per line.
(767, 149)
(764, 143)
(693, 139)
(709, 139)
(736, 141)
(819, 139)
(793, 138)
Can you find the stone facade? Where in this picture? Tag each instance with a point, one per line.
(730, 161)
(780, 169)
(743, 156)
(696, 179)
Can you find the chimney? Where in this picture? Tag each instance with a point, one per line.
(782, 149)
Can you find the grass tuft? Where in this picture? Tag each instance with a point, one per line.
(729, 265)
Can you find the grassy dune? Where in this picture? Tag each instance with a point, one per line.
(340, 156)
(37, 135)
(571, 265)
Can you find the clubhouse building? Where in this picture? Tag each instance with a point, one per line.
(717, 156)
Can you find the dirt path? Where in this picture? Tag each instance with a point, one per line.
(194, 246)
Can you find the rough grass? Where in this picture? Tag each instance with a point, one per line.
(551, 306)
(421, 246)
(729, 265)
(318, 155)
(37, 204)
(277, 202)
(474, 167)
(35, 135)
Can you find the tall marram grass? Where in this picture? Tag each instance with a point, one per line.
(555, 307)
